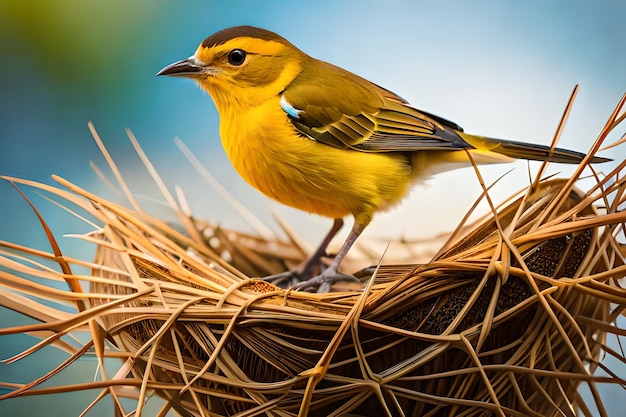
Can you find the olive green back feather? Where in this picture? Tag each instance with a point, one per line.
(347, 111)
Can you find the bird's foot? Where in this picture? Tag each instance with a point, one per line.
(302, 273)
(323, 282)
(286, 279)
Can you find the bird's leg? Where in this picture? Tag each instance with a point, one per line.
(322, 282)
(310, 267)
(314, 260)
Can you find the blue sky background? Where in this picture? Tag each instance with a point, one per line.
(498, 68)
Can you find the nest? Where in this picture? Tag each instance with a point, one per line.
(509, 318)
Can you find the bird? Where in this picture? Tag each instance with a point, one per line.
(321, 139)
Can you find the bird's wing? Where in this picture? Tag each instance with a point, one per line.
(347, 111)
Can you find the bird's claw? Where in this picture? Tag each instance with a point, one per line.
(285, 279)
(296, 276)
(323, 282)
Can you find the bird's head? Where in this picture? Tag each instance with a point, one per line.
(241, 66)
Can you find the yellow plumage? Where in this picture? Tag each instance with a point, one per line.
(307, 175)
(321, 139)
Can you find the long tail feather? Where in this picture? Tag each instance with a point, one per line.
(522, 150)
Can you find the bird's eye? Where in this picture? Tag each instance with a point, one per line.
(236, 57)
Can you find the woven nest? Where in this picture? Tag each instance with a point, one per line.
(509, 318)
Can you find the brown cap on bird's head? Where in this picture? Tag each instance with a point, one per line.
(225, 35)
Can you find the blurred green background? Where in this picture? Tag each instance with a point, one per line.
(502, 69)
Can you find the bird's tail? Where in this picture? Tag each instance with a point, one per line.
(522, 150)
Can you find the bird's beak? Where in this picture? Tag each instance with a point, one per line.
(185, 68)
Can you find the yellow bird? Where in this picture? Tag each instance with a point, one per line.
(318, 138)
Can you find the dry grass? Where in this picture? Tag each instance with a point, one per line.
(508, 319)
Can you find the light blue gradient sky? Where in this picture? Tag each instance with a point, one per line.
(498, 68)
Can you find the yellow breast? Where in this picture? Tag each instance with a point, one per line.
(268, 153)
